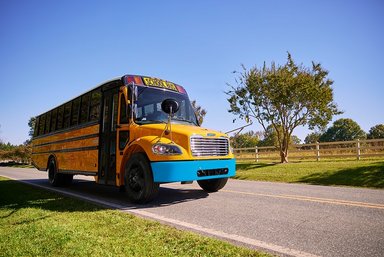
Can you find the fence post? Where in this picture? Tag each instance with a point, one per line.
(257, 154)
(358, 149)
(317, 151)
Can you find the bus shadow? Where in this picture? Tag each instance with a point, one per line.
(167, 196)
(172, 196)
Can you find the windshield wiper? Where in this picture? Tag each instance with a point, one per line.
(185, 120)
(150, 121)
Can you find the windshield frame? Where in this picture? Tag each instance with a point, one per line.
(163, 94)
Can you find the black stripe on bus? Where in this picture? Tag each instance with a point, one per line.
(88, 148)
(79, 172)
(69, 140)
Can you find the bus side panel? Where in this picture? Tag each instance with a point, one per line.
(40, 161)
(75, 149)
(83, 161)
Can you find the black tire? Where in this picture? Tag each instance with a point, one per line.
(138, 179)
(67, 179)
(57, 179)
(212, 185)
(53, 176)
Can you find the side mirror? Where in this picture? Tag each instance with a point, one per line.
(170, 106)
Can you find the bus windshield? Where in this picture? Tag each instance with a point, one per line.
(149, 107)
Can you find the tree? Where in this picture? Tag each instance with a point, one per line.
(31, 124)
(343, 130)
(285, 96)
(312, 138)
(295, 140)
(247, 139)
(199, 111)
(270, 138)
(376, 132)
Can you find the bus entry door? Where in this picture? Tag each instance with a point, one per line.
(107, 170)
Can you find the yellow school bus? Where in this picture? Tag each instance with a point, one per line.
(134, 132)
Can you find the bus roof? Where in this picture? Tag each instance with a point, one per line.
(129, 79)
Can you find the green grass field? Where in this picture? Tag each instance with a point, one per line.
(35, 222)
(367, 173)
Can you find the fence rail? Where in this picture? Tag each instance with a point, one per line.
(342, 149)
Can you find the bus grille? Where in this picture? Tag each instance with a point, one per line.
(202, 146)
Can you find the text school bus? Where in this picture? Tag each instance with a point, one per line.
(134, 132)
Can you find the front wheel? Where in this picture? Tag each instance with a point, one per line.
(138, 179)
(212, 185)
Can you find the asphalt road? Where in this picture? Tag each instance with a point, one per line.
(285, 219)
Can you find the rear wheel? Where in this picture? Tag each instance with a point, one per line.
(57, 179)
(53, 176)
(138, 178)
(212, 185)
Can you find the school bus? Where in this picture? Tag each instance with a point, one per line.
(133, 132)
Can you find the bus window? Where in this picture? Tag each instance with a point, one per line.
(84, 108)
(95, 106)
(42, 124)
(75, 111)
(36, 130)
(53, 120)
(48, 123)
(114, 111)
(60, 115)
(123, 111)
(67, 115)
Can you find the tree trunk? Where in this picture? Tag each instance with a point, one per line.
(284, 148)
(283, 156)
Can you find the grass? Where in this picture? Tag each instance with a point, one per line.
(35, 222)
(367, 173)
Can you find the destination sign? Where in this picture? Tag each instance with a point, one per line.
(155, 82)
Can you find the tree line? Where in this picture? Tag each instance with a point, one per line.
(15, 153)
(342, 130)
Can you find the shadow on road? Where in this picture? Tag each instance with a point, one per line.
(167, 196)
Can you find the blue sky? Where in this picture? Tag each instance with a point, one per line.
(52, 51)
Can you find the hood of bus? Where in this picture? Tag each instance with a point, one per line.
(181, 135)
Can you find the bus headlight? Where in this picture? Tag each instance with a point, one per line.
(166, 149)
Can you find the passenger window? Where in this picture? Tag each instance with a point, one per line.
(53, 120)
(42, 124)
(48, 123)
(95, 106)
(84, 108)
(67, 115)
(75, 111)
(36, 130)
(60, 116)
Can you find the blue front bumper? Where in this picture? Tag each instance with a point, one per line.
(177, 171)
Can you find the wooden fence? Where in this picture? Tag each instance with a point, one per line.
(357, 149)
